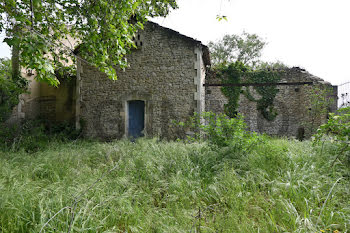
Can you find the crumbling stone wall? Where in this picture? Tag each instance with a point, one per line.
(165, 71)
(291, 102)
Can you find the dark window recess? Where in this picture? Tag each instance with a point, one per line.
(296, 89)
(137, 41)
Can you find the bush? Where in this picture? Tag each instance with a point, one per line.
(34, 135)
(220, 130)
(337, 131)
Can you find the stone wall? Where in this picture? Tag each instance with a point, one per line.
(291, 102)
(54, 104)
(57, 104)
(165, 71)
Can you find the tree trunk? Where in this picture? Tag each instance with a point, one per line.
(15, 56)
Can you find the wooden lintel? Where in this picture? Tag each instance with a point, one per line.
(255, 84)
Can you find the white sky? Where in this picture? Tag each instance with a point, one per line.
(4, 49)
(312, 34)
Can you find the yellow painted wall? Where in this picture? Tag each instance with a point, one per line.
(48, 102)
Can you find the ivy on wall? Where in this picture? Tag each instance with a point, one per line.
(232, 74)
(268, 93)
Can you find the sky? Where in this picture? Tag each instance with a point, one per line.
(311, 34)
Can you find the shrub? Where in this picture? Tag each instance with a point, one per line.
(337, 131)
(34, 135)
(220, 130)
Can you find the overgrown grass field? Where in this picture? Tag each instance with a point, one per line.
(280, 185)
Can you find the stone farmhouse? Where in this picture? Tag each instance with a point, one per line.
(164, 82)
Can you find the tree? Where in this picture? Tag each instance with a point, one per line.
(236, 58)
(278, 65)
(9, 89)
(104, 27)
(245, 48)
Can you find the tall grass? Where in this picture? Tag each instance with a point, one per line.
(279, 186)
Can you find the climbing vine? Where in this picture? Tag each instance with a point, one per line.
(268, 93)
(232, 74)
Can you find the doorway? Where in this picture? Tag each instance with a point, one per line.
(136, 118)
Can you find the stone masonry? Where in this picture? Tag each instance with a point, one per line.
(291, 102)
(166, 71)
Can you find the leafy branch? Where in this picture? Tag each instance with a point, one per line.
(336, 131)
(38, 29)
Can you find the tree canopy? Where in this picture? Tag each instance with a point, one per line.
(103, 27)
(245, 48)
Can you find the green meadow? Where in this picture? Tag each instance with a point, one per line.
(278, 185)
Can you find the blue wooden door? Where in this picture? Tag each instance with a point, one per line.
(136, 118)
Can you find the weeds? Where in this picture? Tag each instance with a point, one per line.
(34, 135)
(279, 186)
(337, 132)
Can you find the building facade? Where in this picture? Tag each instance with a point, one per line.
(164, 82)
